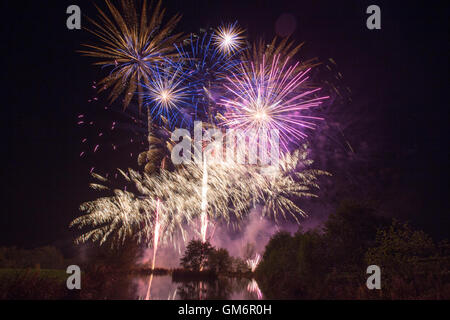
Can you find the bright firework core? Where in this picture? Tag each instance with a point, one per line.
(228, 42)
(165, 96)
(229, 38)
(166, 93)
(260, 114)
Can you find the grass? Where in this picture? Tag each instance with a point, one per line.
(51, 274)
(32, 284)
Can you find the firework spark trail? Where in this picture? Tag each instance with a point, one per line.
(157, 228)
(204, 205)
(253, 263)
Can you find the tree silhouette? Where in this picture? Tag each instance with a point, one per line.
(196, 255)
(219, 261)
(400, 249)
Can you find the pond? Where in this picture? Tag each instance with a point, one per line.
(136, 287)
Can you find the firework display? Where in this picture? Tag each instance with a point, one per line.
(238, 152)
(217, 77)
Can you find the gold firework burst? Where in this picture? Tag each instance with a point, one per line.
(131, 42)
(233, 189)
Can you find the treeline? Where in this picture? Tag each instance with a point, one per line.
(44, 257)
(331, 262)
(202, 259)
(27, 274)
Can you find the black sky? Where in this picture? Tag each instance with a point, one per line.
(399, 74)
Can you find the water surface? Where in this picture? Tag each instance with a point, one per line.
(135, 287)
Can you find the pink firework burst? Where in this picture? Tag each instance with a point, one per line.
(266, 97)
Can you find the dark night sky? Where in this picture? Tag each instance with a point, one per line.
(400, 73)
